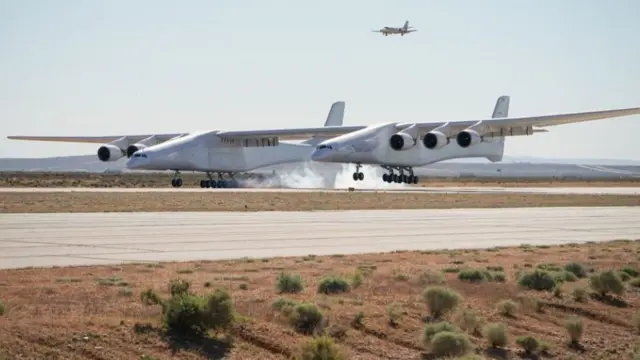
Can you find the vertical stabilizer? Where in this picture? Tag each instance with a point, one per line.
(406, 25)
(501, 110)
(336, 114)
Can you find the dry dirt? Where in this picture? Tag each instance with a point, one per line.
(41, 202)
(163, 180)
(96, 312)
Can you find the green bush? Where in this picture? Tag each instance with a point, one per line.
(539, 280)
(320, 348)
(576, 269)
(183, 315)
(289, 283)
(440, 300)
(150, 297)
(580, 294)
(624, 276)
(469, 320)
(432, 278)
(218, 310)
(528, 343)
(473, 275)
(635, 321)
(447, 344)
(306, 318)
(562, 276)
(635, 282)
(2, 308)
(333, 285)
(632, 271)
(574, 328)
(431, 330)
(283, 303)
(394, 314)
(357, 279)
(358, 320)
(507, 308)
(496, 335)
(606, 282)
(179, 287)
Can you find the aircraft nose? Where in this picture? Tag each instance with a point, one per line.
(137, 161)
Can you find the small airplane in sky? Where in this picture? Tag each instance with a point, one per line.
(405, 29)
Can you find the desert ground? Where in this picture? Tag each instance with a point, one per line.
(48, 202)
(163, 180)
(370, 306)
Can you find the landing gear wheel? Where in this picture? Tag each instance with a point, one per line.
(358, 176)
(176, 182)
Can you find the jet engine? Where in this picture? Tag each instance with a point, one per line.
(467, 138)
(435, 140)
(131, 149)
(401, 141)
(110, 152)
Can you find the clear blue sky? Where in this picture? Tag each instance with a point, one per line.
(79, 67)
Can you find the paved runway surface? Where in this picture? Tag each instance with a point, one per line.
(108, 238)
(449, 190)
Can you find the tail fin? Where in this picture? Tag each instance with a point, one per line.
(406, 25)
(336, 114)
(501, 110)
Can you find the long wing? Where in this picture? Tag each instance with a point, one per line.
(95, 139)
(290, 134)
(516, 125)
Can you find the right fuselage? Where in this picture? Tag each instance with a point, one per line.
(372, 146)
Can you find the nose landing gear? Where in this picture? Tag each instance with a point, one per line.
(176, 181)
(358, 175)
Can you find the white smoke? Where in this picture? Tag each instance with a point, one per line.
(329, 178)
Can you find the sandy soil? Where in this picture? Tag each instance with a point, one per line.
(35, 179)
(96, 312)
(292, 201)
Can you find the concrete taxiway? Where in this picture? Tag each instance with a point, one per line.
(110, 238)
(433, 190)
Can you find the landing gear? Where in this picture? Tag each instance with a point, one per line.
(220, 183)
(400, 178)
(358, 175)
(176, 181)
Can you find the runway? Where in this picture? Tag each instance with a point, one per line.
(433, 190)
(109, 238)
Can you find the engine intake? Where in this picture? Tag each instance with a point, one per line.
(109, 153)
(467, 138)
(131, 149)
(435, 140)
(401, 141)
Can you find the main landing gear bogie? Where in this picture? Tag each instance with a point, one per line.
(220, 183)
(400, 178)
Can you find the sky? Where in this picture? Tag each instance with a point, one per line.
(118, 67)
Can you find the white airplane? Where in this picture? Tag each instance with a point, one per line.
(210, 151)
(405, 29)
(402, 146)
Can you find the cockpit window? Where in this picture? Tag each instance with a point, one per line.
(140, 155)
(325, 147)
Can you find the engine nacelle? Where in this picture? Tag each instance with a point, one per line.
(131, 149)
(401, 141)
(435, 140)
(110, 152)
(467, 138)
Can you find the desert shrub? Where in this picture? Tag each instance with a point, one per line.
(283, 303)
(393, 313)
(549, 267)
(289, 283)
(632, 271)
(431, 330)
(357, 279)
(2, 308)
(184, 315)
(320, 348)
(179, 287)
(528, 343)
(447, 344)
(306, 317)
(496, 335)
(432, 278)
(576, 269)
(636, 356)
(580, 294)
(562, 276)
(539, 280)
(606, 282)
(473, 275)
(358, 320)
(507, 308)
(624, 276)
(469, 320)
(531, 303)
(495, 268)
(635, 282)
(440, 300)
(150, 297)
(333, 285)
(557, 291)
(218, 310)
(498, 276)
(574, 328)
(635, 321)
